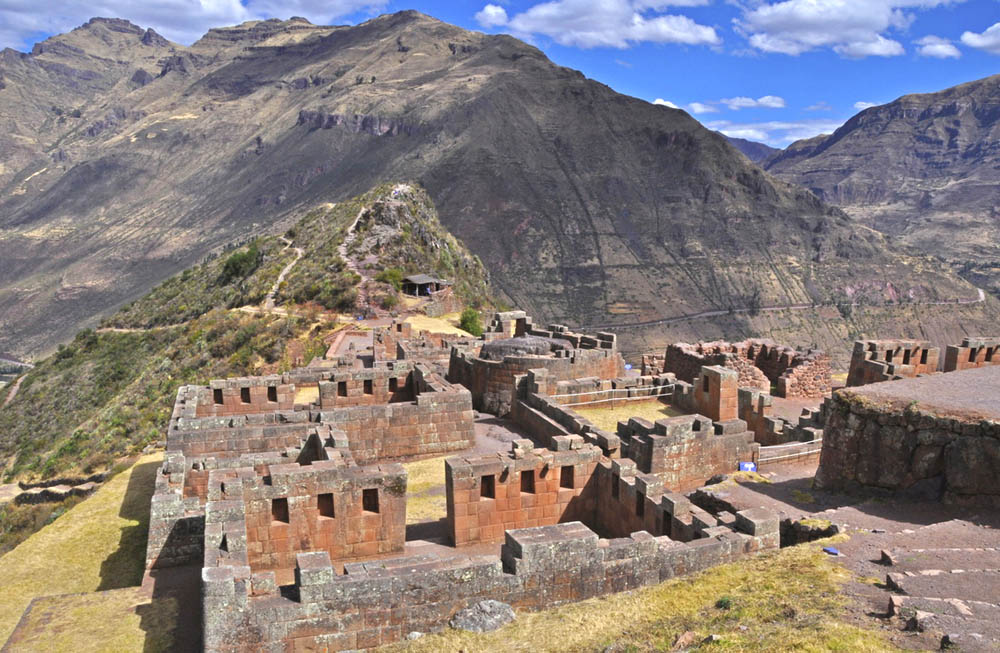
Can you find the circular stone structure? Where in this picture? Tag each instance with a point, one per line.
(497, 350)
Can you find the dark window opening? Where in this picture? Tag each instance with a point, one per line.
(272, 393)
(217, 396)
(566, 477)
(989, 354)
(369, 500)
(696, 425)
(224, 544)
(923, 357)
(279, 510)
(393, 384)
(704, 383)
(972, 355)
(528, 481)
(640, 505)
(906, 357)
(222, 488)
(399, 328)
(245, 395)
(488, 487)
(325, 504)
(614, 487)
(342, 388)
(888, 356)
(368, 386)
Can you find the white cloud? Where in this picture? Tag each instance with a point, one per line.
(698, 107)
(776, 133)
(183, 21)
(665, 103)
(820, 106)
(766, 102)
(935, 46)
(861, 106)
(491, 16)
(988, 40)
(608, 23)
(852, 28)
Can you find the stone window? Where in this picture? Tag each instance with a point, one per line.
(368, 386)
(393, 384)
(528, 481)
(696, 425)
(640, 505)
(369, 500)
(245, 394)
(888, 355)
(566, 477)
(906, 357)
(342, 388)
(923, 356)
(488, 487)
(972, 354)
(324, 503)
(272, 393)
(217, 396)
(989, 354)
(279, 510)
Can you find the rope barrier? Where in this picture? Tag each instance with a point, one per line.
(792, 455)
(626, 390)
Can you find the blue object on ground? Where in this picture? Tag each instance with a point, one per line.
(832, 551)
(748, 467)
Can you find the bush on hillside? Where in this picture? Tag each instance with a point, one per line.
(469, 321)
(240, 264)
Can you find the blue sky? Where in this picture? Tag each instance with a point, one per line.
(772, 71)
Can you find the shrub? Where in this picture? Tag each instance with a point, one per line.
(392, 276)
(469, 321)
(240, 264)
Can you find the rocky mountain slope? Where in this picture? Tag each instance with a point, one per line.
(924, 170)
(127, 158)
(753, 150)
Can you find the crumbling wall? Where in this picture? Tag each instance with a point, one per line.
(874, 361)
(972, 353)
(379, 602)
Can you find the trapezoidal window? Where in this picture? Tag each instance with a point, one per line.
(528, 481)
(704, 383)
(989, 354)
(972, 355)
(272, 393)
(923, 356)
(342, 388)
(217, 396)
(369, 500)
(368, 386)
(906, 357)
(324, 503)
(888, 355)
(245, 395)
(566, 477)
(279, 510)
(393, 384)
(488, 487)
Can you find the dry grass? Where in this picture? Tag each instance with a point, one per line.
(425, 498)
(307, 395)
(435, 325)
(788, 600)
(607, 416)
(99, 544)
(98, 622)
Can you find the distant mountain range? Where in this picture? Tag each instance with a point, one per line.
(126, 158)
(753, 150)
(924, 170)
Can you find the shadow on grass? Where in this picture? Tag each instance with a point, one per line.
(172, 621)
(124, 567)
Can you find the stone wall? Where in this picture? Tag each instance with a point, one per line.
(914, 444)
(385, 384)
(758, 363)
(972, 353)
(244, 396)
(874, 361)
(684, 452)
(379, 602)
(487, 495)
(714, 394)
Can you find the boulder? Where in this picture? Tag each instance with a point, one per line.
(483, 617)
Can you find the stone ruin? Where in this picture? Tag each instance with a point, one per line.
(936, 437)
(761, 364)
(297, 511)
(875, 361)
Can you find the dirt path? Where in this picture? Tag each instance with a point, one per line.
(363, 298)
(766, 309)
(13, 391)
(269, 301)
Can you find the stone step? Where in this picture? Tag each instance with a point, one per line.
(950, 559)
(974, 585)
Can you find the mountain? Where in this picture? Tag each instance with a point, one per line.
(128, 158)
(752, 150)
(923, 169)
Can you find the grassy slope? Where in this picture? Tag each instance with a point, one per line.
(99, 544)
(787, 600)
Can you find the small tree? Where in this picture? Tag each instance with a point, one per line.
(470, 322)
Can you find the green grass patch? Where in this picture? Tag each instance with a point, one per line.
(606, 416)
(425, 497)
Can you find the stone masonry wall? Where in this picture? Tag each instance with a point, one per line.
(391, 383)
(244, 396)
(874, 361)
(379, 602)
(972, 353)
(487, 495)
